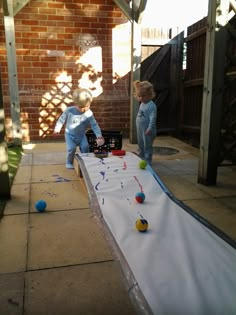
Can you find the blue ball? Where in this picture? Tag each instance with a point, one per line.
(40, 205)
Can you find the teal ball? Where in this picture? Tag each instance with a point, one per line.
(41, 205)
(140, 197)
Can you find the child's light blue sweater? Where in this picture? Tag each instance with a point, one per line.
(77, 122)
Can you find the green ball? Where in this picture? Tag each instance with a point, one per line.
(142, 164)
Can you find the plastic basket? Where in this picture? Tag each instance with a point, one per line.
(113, 141)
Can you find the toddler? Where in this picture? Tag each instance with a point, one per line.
(146, 119)
(78, 117)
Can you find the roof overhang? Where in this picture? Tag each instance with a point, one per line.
(133, 10)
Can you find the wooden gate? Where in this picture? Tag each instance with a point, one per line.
(162, 55)
(175, 66)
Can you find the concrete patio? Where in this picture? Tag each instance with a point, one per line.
(60, 262)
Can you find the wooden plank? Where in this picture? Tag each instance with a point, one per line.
(4, 5)
(195, 82)
(190, 128)
(157, 42)
(233, 4)
(12, 75)
(141, 8)
(134, 14)
(162, 96)
(213, 91)
(134, 75)
(196, 34)
(124, 8)
(19, 5)
(156, 62)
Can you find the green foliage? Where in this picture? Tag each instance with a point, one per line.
(14, 158)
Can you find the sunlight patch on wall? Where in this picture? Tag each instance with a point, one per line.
(59, 97)
(90, 70)
(25, 126)
(121, 51)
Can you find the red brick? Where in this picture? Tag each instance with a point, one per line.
(39, 29)
(47, 11)
(56, 26)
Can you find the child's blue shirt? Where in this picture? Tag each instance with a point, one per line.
(146, 117)
(77, 122)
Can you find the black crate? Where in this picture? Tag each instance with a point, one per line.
(113, 141)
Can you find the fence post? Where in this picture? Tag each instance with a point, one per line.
(12, 74)
(213, 91)
(134, 75)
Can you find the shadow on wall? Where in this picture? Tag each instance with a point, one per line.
(90, 76)
(78, 51)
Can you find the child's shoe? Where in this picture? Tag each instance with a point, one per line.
(69, 166)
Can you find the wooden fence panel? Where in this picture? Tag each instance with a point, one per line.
(191, 107)
(159, 67)
(228, 130)
(193, 80)
(184, 118)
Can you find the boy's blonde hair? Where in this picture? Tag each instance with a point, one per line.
(144, 88)
(82, 97)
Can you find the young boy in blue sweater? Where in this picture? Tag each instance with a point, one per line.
(77, 118)
(146, 119)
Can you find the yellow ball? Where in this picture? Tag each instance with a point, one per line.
(142, 164)
(142, 225)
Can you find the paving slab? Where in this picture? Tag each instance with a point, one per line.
(230, 203)
(52, 173)
(49, 158)
(59, 195)
(176, 143)
(176, 167)
(225, 186)
(183, 189)
(217, 213)
(12, 293)
(57, 146)
(71, 269)
(23, 175)
(65, 238)
(184, 151)
(161, 169)
(19, 202)
(85, 289)
(13, 243)
(227, 170)
(26, 159)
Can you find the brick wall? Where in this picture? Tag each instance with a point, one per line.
(61, 45)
